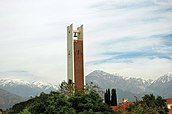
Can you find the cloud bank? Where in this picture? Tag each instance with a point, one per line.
(130, 37)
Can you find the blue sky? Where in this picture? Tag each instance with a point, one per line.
(129, 37)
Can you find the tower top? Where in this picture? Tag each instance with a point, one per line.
(78, 33)
(72, 34)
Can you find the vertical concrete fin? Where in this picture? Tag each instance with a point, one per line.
(70, 53)
(80, 35)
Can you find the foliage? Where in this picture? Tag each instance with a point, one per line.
(149, 105)
(95, 88)
(67, 88)
(91, 102)
(25, 111)
(63, 102)
(107, 97)
(111, 99)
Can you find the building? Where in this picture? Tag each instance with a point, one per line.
(122, 106)
(1, 111)
(75, 59)
(169, 105)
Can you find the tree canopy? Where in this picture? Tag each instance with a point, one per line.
(63, 102)
(66, 101)
(149, 105)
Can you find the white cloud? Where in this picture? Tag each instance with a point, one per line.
(33, 34)
(141, 68)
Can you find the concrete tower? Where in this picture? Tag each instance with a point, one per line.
(75, 60)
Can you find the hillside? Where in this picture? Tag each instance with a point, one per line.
(163, 85)
(8, 99)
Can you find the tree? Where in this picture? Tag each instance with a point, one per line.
(95, 88)
(106, 97)
(149, 105)
(113, 98)
(67, 88)
(25, 111)
(110, 98)
(91, 102)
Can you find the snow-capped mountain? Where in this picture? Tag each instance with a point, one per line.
(106, 80)
(131, 86)
(127, 87)
(164, 79)
(163, 85)
(26, 88)
(12, 82)
(44, 85)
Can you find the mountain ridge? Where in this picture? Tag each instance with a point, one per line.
(168, 76)
(128, 85)
(136, 86)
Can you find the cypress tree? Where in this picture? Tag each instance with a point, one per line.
(105, 96)
(108, 97)
(113, 98)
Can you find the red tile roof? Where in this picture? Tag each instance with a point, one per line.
(121, 106)
(169, 101)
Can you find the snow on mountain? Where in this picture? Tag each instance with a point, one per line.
(107, 80)
(150, 81)
(125, 78)
(14, 82)
(100, 73)
(44, 85)
(98, 77)
(26, 88)
(164, 79)
(161, 86)
(11, 82)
